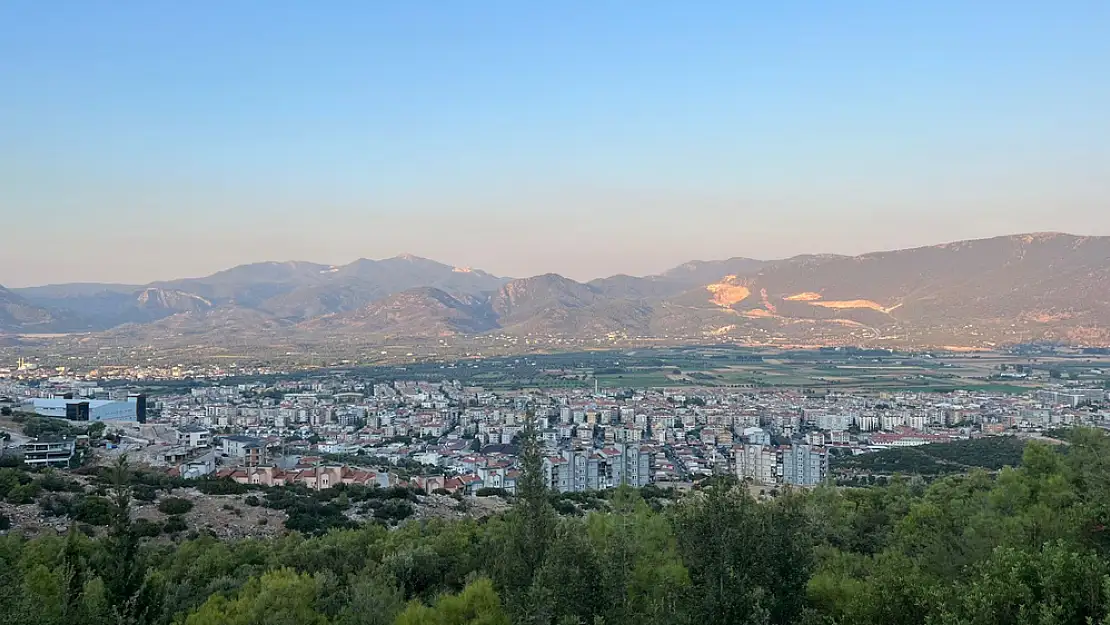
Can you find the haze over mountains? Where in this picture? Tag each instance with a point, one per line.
(990, 291)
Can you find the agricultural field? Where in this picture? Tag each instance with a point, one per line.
(816, 370)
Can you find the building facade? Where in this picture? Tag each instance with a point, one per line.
(43, 452)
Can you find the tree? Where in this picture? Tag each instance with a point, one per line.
(1052, 586)
(96, 429)
(123, 568)
(477, 604)
(373, 599)
(568, 583)
(749, 563)
(281, 597)
(529, 528)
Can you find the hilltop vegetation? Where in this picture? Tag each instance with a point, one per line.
(992, 452)
(1022, 545)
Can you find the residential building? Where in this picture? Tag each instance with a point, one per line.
(805, 465)
(757, 463)
(194, 436)
(55, 452)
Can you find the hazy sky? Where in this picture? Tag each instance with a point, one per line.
(158, 139)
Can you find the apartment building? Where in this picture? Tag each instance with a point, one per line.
(583, 470)
(805, 465)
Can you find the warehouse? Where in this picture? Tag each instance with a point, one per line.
(134, 409)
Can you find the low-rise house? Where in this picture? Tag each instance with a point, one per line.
(194, 436)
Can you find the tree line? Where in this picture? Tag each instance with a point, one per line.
(1024, 545)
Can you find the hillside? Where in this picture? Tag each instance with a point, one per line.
(982, 293)
(423, 312)
(1025, 545)
(19, 315)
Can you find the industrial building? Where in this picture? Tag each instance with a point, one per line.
(134, 409)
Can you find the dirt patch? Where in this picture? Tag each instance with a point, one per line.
(855, 303)
(767, 302)
(726, 293)
(228, 516)
(808, 296)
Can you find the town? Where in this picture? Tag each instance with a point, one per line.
(435, 436)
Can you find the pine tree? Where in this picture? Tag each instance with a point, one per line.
(530, 528)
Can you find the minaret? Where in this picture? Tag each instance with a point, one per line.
(597, 388)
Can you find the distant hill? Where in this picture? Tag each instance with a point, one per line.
(293, 290)
(420, 312)
(977, 293)
(19, 315)
(708, 271)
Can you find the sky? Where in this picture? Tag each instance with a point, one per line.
(157, 139)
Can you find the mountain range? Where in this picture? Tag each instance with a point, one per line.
(1044, 286)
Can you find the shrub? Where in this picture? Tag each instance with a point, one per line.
(174, 506)
(174, 524)
(5, 522)
(146, 528)
(55, 483)
(221, 486)
(252, 500)
(93, 510)
(263, 521)
(394, 510)
(142, 492)
(492, 492)
(53, 504)
(24, 493)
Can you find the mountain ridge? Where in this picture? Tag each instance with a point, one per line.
(1035, 286)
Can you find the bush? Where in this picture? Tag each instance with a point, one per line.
(492, 492)
(394, 510)
(174, 524)
(174, 506)
(24, 493)
(53, 504)
(221, 486)
(142, 492)
(46, 426)
(146, 528)
(252, 500)
(263, 521)
(10, 479)
(314, 518)
(5, 522)
(93, 510)
(51, 481)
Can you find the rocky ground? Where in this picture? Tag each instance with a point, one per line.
(227, 516)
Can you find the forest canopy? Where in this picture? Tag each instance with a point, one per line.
(1021, 545)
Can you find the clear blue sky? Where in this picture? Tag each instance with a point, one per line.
(144, 140)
